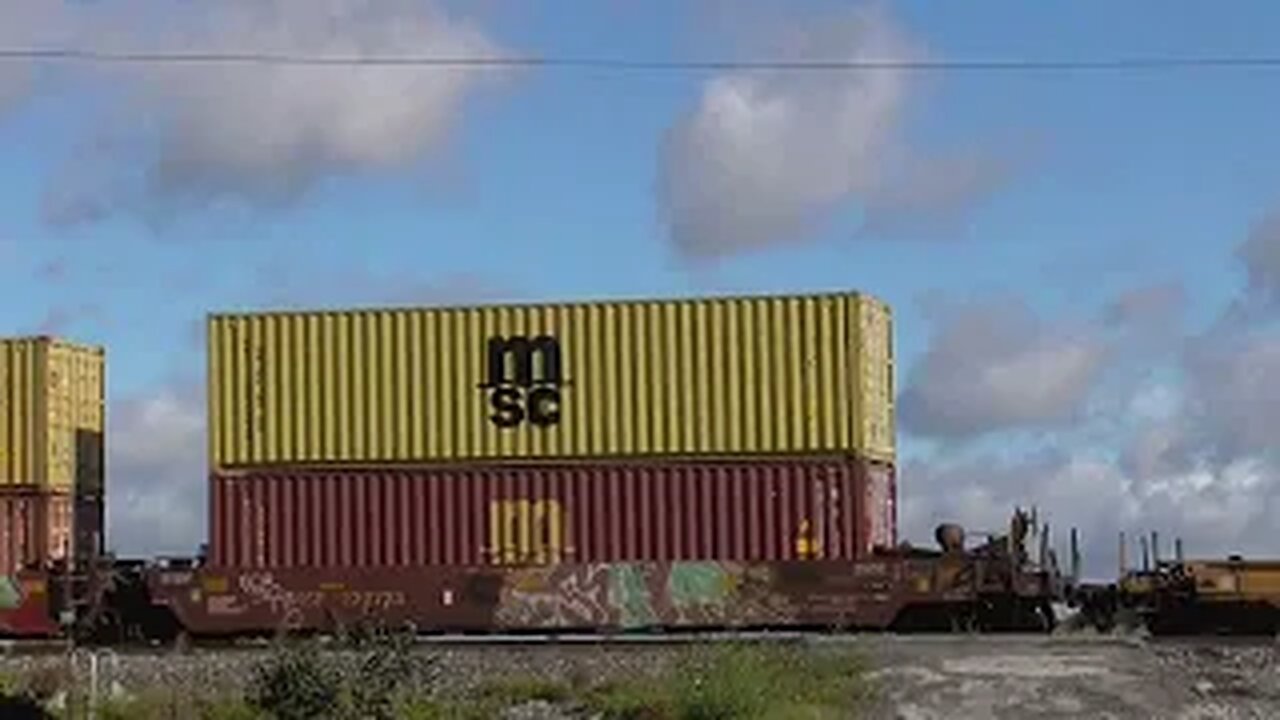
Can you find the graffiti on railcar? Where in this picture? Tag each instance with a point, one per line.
(722, 593)
(24, 608)
(633, 595)
(556, 596)
(527, 532)
(11, 593)
(289, 606)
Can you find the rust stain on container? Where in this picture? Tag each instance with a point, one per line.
(709, 377)
(546, 514)
(52, 399)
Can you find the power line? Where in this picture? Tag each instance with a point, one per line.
(612, 64)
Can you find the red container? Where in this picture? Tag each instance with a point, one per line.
(35, 528)
(743, 510)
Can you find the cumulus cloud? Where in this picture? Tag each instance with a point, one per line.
(1185, 445)
(190, 135)
(993, 365)
(1236, 400)
(764, 159)
(1215, 512)
(156, 484)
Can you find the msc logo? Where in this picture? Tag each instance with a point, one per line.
(524, 380)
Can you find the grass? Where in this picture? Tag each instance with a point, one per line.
(716, 682)
(160, 705)
(741, 681)
(487, 700)
(747, 682)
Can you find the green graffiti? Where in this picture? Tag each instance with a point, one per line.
(699, 583)
(630, 594)
(10, 593)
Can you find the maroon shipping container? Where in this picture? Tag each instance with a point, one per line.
(35, 528)
(741, 510)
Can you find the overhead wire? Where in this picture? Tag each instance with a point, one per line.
(621, 64)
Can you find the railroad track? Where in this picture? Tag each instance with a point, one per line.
(35, 648)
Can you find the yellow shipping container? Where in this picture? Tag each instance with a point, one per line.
(52, 407)
(715, 376)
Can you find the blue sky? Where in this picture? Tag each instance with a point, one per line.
(545, 185)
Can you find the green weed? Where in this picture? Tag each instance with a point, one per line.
(740, 682)
(364, 678)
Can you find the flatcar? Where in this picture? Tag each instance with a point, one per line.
(996, 586)
(1232, 596)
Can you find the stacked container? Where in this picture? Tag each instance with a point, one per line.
(52, 408)
(721, 428)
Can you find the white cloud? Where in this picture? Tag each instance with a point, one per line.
(186, 134)
(765, 159)
(1235, 397)
(994, 366)
(1185, 446)
(156, 496)
(1215, 512)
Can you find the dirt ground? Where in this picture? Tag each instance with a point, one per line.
(1065, 677)
(916, 677)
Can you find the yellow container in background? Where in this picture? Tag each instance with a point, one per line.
(52, 408)
(693, 377)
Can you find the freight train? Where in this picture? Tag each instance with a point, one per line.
(993, 587)
(637, 466)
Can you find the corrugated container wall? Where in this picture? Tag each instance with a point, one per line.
(35, 528)
(471, 514)
(712, 377)
(52, 407)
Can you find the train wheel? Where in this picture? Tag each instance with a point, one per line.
(1102, 620)
(107, 629)
(1048, 620)
(964, 619)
